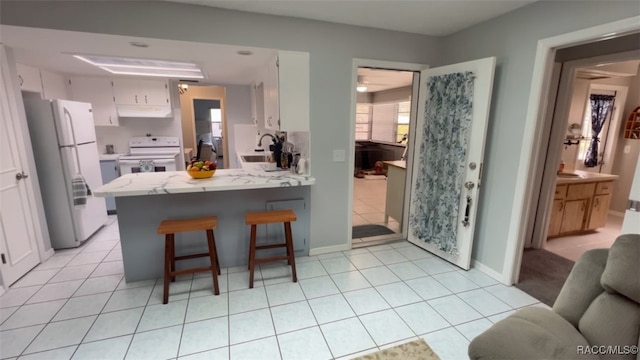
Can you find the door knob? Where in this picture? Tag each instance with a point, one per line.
(21, 175)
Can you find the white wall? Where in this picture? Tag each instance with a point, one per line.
(238, 112)
(332, 48)
(513, 38)
(119, 136)
(624, 163)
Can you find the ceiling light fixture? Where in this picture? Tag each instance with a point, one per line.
(143, 67)
(360, 84)
(244, 52)
(182, 88)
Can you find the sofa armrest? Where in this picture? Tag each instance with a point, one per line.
(582, 286)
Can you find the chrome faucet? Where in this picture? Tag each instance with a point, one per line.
(274, 138)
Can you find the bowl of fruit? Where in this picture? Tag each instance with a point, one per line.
(201, 169)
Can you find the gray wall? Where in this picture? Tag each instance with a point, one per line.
(513, 38)
(331, 46)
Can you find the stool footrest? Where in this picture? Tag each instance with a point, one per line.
(270, 246)
(194, 256)
(190, 271)
(270, 259)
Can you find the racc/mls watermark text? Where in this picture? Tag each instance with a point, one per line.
(607, 350)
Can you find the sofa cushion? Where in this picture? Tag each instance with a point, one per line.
(582, 286)
(622, 273)
(530, 333)
(611, 319)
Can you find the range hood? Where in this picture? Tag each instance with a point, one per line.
(144, 111)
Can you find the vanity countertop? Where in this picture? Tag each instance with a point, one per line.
(585, 177)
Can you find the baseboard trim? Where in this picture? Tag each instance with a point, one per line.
(329, 249)
(488, 271)
(47, 255)
(616, 213)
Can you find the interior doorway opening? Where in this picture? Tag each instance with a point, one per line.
(204, 123)
(583, 193)
(386, 103)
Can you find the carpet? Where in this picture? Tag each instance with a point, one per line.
(363, 231)
(412, 350)
(542, 274)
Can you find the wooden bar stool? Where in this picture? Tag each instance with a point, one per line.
(169, 228)
(270, 217)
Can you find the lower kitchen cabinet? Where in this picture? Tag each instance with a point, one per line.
(110, 171)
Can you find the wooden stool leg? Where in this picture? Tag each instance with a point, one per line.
(167, 264)
(215, 250)
(172, 244)
(252, 254)
(287, 243)
(290, 251)
(214, 261)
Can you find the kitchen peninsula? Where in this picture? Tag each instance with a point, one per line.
(143, 200)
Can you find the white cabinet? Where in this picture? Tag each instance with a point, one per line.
(140, 92)
(53, 85)
(98, 92)
(286, 92)
(29, 78)
(254, 104)
(293, 90)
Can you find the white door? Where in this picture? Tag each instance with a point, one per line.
(18, 249)
(631, 222)
(454, 103)
(74, 122)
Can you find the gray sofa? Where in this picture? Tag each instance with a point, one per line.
(599, 305)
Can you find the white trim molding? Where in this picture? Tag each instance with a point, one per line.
(487, 270)
(329, 249)
(531, 140)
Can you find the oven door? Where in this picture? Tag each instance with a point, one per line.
(147, 165)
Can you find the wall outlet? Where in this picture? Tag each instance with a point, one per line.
(338, 155)
(627, 149)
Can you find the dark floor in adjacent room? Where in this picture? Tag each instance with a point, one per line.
(542, 274)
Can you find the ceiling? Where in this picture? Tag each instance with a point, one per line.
(378, 80)
(53, 49)
(428, 17)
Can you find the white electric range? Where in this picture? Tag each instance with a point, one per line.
(151, 154)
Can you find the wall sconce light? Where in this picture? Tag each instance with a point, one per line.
(183, 88)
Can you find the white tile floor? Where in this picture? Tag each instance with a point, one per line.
(572, 247)
(369, 198)
(77, 306)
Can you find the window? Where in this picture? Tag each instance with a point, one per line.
(586, 127)
(404, 115)
(216, 122)
(389, 122)
(363, 122)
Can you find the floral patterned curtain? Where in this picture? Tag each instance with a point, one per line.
(442, 160)
(600, 107)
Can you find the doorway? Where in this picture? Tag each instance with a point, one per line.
(588, 169)
(384, 109)
(204, 123)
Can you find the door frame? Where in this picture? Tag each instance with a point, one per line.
(350, 156)
(532, 154)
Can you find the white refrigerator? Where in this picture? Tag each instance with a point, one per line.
(63, 139)
(631, 222)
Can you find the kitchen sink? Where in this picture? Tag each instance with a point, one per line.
(254, 158)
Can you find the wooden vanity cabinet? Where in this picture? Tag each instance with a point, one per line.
(579, 207)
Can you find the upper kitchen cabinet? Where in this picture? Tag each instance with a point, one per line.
(98, 92)
(286, 92)
(140, 92)
(53, 85)
(29, 78)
